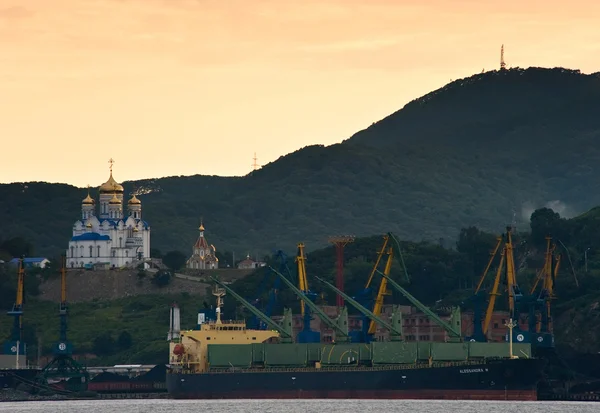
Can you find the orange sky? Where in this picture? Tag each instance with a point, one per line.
(182, 87)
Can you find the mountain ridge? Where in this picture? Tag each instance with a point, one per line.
(477, 151)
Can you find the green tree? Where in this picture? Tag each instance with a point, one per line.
(8, 287)
(476, 245)
(545, 222)
(175, 260)
(17, 247)
(124, 340)
(225, 258)
(104, 344)
(161, 278)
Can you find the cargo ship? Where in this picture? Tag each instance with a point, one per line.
(248, 369)
(226, 360)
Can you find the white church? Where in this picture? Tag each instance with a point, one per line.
(107, 235)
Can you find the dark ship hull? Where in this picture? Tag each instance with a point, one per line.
(11, 378)
(494, 380)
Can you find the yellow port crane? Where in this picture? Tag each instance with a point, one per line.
(383, 291)
(302, 280)
(547, 277)
(506, 266)
(545, 274)
(369, 325)
(307, 335)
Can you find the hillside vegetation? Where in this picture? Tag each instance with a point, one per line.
(482, 151)
(439, 277)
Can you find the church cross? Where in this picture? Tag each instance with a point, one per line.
(111, 162)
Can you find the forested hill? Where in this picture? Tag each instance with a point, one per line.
(480, 151)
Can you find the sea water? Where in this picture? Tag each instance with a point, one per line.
(296, 406)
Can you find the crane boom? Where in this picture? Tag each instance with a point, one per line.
(324, 317)
(383, 291)
(511, 276)
(302, 281)
(493, 295)
(541, 275)
(400, 255)
(267, 320)
(380, 253)
(20, 284)
(489, 264)
(433, 316)
(362, 309)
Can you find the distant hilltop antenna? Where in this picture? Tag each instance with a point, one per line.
(255, 165)
(502, 62)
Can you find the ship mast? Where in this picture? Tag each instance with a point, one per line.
(511, 324)
(219, 293)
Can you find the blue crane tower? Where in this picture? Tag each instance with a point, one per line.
(15, 345)
(63, 366)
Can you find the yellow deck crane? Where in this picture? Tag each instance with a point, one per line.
(307, 335)
(302, 280)
(365, 297)
(506, 270)
(369, 327)
(547, 277)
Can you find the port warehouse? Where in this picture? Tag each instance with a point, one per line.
(267, 355)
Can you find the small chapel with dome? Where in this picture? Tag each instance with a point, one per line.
(105, 233)
(203, 255)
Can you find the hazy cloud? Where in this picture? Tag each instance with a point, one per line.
(372, 44)
(15, 13)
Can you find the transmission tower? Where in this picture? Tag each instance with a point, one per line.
(502, 62)
(340, 242)
(255, 165)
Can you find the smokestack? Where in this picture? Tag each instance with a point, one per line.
(174, 324)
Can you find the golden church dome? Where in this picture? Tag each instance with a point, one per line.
(88, 225)
(111, 186)
(201, 227)
(114, 200)
(88, 200)
(134, 201)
